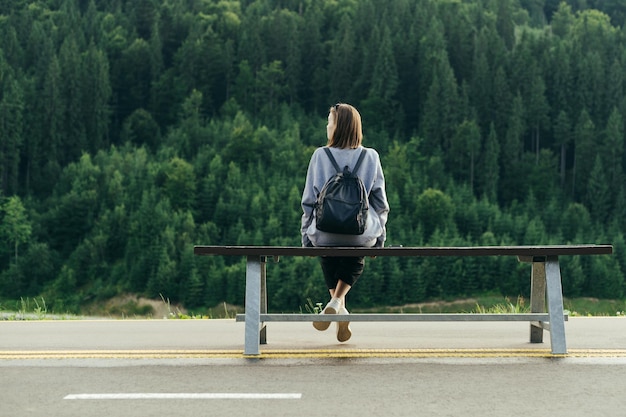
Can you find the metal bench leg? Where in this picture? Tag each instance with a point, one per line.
(537, 299)
(555, 306)
(263, 300)
(253, 301)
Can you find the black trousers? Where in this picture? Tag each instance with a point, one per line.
(345, 268)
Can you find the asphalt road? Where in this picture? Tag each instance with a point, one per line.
(195, 368)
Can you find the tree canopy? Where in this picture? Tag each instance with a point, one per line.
(132, 130)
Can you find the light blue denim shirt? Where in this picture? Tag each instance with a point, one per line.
(371, 173)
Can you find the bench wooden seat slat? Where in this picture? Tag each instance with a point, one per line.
(549, 250)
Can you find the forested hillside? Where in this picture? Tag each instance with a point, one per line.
(132, 130)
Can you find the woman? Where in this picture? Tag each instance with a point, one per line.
(345, 135)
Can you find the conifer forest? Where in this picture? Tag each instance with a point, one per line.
(132, 130)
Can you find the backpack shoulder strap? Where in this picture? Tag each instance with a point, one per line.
(358, 162)
(332, 159)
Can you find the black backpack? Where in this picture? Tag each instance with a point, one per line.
(342, 205)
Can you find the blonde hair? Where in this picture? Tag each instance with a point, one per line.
(348, 129)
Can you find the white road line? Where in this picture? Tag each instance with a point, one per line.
(185, 396)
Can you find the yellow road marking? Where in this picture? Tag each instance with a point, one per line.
(308, 353)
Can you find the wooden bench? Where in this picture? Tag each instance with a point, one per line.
(545, 284)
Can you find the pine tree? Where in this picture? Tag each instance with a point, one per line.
(502, 102)
(598, 193)
(482, 88)
(15, 227)
(96, 96)
(380, 108)
(563, 138)
(441, 107)
(11, 132)
(584, 154)
(384, 82)
(614, 88)
(562, 20)
(505, 23)
(511, 185)
(612, 150)
(179, 184)
(465, 149)
(74, 140)
(560, 86)
(489, 174)
(537, 111)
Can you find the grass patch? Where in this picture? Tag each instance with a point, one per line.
(494, 304)
(29, 309)
(593, 307)
(312, 308)
(507, 307)
(221, 311)
(132, 307)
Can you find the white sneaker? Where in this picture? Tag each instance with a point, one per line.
(343, 327)
(332, 307)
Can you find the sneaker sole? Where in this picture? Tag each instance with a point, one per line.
(343, 331)
(324, 325)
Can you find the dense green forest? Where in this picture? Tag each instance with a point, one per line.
(132, 130)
